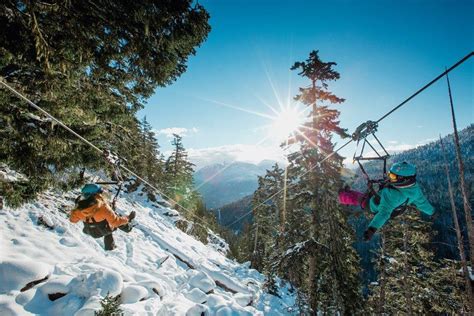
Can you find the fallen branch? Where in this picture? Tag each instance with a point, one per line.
(33, 283)
(225, 287)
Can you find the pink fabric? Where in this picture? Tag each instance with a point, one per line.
(351, 198)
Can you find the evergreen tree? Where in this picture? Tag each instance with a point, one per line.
(179, 174)
(411, 281)
(332, 276)
(264, 227)
(153, 164)
(92, 66)
(110, 306)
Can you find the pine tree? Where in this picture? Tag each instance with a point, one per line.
(153, 165)
(333, 284)
(264, 227)
(414, 283)
(179, 175)
(110, 306)
(92, 66)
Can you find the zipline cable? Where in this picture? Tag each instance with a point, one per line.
(379, 120)
(427, 85)
(31, 103)
(49, 115)
(273, 195)
(176, 203)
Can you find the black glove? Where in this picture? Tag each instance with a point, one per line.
(132, 215)
(369, 233)
(345, 188)
(435, 216)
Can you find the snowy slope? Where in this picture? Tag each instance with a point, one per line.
(157, 269)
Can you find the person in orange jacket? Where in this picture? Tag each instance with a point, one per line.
(99, 218)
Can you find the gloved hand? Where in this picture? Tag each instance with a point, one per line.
(345, 188)
(369, 233)
(132, 215)
(435, 216)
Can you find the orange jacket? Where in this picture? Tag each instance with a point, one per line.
(99, 211)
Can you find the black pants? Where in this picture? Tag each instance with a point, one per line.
(102, 229)
(109, 243)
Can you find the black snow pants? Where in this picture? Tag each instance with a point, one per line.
(102, 229)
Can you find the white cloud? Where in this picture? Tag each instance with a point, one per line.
(400, 147)
(238, 152)
(181, 131)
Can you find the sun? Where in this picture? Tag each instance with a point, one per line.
(286, 122)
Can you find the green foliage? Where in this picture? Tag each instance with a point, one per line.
(333, 281)
(92, 66)
(110, 306)
(411, 281)
(198, 230)
(179, 176)
(299, 231)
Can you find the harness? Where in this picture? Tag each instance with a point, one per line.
(117, 177)
(91, 226)
(96, 229)
(375, 193)
(360, 135)
(374, 185)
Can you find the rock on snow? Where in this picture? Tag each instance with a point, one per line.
(16, 274)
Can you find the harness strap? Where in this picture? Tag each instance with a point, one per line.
(115, 160)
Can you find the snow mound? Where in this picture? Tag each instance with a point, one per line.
(202, 281)
(18, 274)
(102, 282)
(196, 295)
(156, 269)
(133, 293)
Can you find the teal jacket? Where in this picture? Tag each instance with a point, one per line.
(391, 198)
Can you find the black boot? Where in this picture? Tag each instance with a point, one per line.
(109, 243)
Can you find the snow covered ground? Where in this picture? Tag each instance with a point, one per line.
(156, 269)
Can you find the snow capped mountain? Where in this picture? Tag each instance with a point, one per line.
(49, 267)
(221, 184)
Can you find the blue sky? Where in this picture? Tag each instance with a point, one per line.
(385, 51)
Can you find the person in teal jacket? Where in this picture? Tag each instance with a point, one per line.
(401, 191)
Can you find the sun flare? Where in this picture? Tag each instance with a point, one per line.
(286, 122)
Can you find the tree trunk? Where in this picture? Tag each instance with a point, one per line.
(406, 287)
(312, 266)
(283, 210)
(312, 257)
(462, 184)
(176, 162)
(462, 255)
(381, 303)
(256, 238)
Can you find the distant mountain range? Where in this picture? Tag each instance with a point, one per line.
(224, 183)
(429, 161)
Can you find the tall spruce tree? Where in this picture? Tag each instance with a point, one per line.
(153, 164)
(179, 175)
(92, 65)
(265, 222)
(332, 276)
